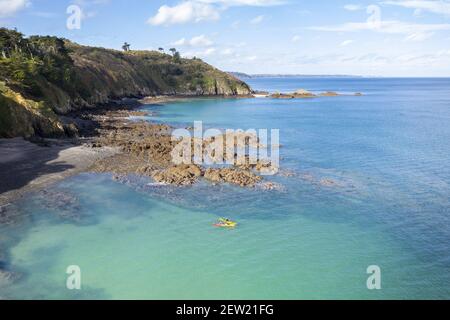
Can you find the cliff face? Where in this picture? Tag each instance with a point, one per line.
(108, 74)
(43, 77)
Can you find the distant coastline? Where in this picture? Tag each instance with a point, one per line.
(242, 75)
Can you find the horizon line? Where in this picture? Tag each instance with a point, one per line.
(250, 75)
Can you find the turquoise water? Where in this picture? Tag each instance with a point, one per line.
(388, 153)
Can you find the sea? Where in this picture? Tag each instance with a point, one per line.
(361, 209)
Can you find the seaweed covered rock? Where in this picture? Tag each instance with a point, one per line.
(301, 93)
(239, 177)
(329, 94)
(178, 175)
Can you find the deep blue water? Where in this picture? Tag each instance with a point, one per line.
(388, 153)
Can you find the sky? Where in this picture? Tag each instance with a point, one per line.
(406, 38)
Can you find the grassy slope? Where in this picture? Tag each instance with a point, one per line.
(23, 117)
(148, 72)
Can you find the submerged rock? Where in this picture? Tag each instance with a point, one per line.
(9, 214)
(63, 203)
(287, 173)
(7, 277)
(327, 183)
(269, 186)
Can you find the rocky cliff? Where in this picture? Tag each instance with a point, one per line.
(42, 78)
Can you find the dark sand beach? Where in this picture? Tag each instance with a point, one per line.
(26, 166)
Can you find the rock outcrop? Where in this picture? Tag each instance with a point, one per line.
(239, 177)
(146, 150)
(302, 93)
(329, 94)
(178, 175)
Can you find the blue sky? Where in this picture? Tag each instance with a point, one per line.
(380, 38)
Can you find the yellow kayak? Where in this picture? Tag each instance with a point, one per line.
(225, 223)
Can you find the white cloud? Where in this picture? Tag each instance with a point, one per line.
(420, 36)
(352, 7)
(209, 51)
(202, 10)
(10, 7)
(346, 43)
(443, 53)
(412, 31)
(44, 14)
(380, 62)
(88, 6)
(199, 41)
(181, 42)
(257, 20)
(417, 12)
(369, 60)
(434, 6)
(201, 54)
(235, 24)
(254, 3)
(90, 2)
(189, 11)
(296, 38)
(227, 52)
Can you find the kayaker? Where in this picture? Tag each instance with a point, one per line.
(224, 222)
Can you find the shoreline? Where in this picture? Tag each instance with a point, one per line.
(27, 166)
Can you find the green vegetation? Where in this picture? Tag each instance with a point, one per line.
(61, 76)
(24, 62)
(21, 116)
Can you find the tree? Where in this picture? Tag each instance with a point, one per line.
(10, 40)
(173, 50)
(126, 46)
(177, 57)
(161, 50)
